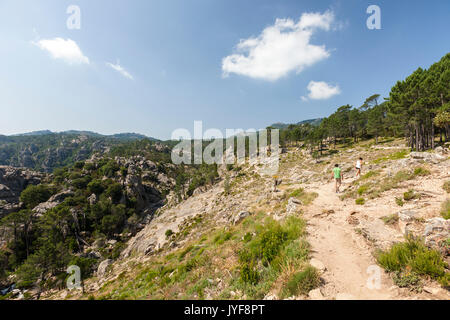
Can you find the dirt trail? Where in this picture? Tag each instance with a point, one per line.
(344, 253)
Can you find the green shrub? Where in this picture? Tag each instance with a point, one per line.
(399, 201)
(406, 279)
(273, 245)
(89, 166)
(95, 186)
(446, 186)
(78, 165)
(360, 201)
(305, 197)
(402, 176)
(302, 282)
(369, 174)
(248, 237)
(363, 189)
(168, 233)
(419, 171)
(410, 195)
(413, 256)
(114, 191)
(445, 211)
(86, 265)
(390, 219)
(222, 237)
(109, 169)
(33, 195)
(249, 274)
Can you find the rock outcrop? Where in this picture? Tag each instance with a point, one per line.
(12, 182)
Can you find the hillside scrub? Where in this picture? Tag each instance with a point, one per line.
(99, 206)
(445, 211)
(257, 252)
(373, 188)
(446, 186)
(412, 257)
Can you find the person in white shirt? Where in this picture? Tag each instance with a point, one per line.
(358, 167)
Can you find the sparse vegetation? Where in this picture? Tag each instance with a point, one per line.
(168, 233)
(419, 171)
(446, 186)
(390, 219)
(411, 258)
(445, 211)
(394, 156)
(410, 195)
(399, 201)
(360, 201)
(305, 197)
(302, 282)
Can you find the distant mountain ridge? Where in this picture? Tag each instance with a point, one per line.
(313, 122)
(46, 150)
(125, 135)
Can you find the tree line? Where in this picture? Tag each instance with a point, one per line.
(418, 109)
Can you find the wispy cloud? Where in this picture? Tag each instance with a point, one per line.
(120, 69)
(67, 50)
(280, 48)
(320, 90)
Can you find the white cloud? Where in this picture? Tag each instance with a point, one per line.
(320, 90)
(280, 48)
(67, 50)
(120, 69)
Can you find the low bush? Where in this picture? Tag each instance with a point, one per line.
(399, 201)
(413, 256)
(410, 195)
(302, 282)
(419, 171)
(445, 211)
(446, 186)
(390, 219)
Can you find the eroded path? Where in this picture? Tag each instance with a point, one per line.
(346, 256)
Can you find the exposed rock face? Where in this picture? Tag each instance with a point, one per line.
(12, 182)
(144, 182)
(427, 156)
(437, 231)
(240, 216)
(102, 268)
(52, 202)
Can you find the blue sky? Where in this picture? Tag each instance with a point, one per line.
(155, 66)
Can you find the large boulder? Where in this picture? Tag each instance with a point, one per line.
(54, 201)
(436, 233)
(427, 156)
(103, 266)
(240, 216)
(12, 182)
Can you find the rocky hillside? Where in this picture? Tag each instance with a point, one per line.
(292, 237)
(45, 150)
(85, 213)
(12, 182)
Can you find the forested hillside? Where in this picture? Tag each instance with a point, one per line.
(418, 108)
(96, 193)
(84, 213)
(45, 150)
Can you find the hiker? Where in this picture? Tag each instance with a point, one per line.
(338, 177)
(358, 167)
